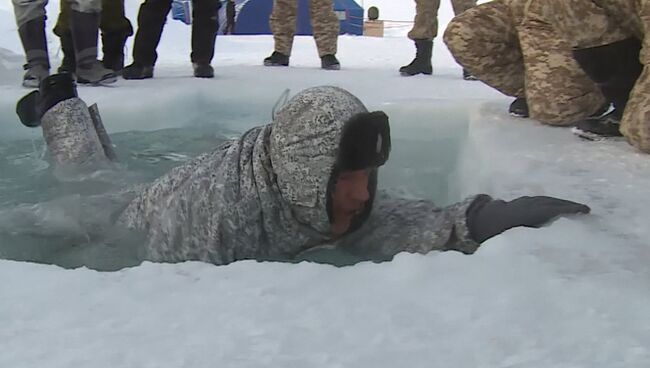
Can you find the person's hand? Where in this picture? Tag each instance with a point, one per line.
(487, 218)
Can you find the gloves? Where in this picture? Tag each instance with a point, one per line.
(487, 218)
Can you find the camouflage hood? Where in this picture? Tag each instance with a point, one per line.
(262, 196)
(304, 148)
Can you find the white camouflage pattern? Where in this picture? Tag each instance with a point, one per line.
(263, 196)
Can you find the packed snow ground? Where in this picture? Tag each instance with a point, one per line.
(574, 294)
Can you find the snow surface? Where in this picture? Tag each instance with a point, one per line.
(574, 294)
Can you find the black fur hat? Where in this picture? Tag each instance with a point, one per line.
(365, 142)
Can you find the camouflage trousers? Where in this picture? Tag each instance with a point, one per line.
(112, 20)
(600, 22)
(324, 24)
(26, 10)
(523, 58)
(425, 25)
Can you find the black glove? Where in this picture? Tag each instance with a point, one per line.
(487, 218)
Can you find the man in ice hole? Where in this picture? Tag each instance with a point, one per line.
(305, 181)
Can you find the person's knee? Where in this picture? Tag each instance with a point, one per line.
(462, 36)
(26, 11)
(455, 36)
(562, 110)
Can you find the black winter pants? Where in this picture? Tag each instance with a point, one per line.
(151, 21)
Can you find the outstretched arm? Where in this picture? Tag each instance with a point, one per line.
(418, 226)
(414, 226)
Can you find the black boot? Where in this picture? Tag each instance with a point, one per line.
(52, 90)
(597, 127)
(32, 36)
(84, 33)
(519, 108)
(203, 70)
(205, 25)
(422, 62)
(615, 69)
(277, 59)
(113, 49)
(468, 76)
(329, 62)
(68, 64)
(137, 71)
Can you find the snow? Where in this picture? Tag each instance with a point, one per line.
(574, 294)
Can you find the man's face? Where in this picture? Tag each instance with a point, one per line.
(349, 199)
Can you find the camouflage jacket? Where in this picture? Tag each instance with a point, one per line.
(263, 196)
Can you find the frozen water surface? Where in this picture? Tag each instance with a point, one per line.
(574, 294)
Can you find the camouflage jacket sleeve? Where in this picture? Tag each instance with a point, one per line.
(414, 226)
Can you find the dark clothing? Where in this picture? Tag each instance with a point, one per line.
(112, 20)
(230, 17)
(151, 21)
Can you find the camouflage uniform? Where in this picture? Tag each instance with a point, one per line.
(587, 24)
(264, 196)
(324, 23)
(425, 25)
(112, 18)
(26, 10)
(512, 46)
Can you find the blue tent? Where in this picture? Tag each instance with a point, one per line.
(253, 17)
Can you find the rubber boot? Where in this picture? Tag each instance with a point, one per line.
(32, 36)
(85, 31)
(422, 62)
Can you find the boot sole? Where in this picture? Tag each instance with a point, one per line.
(590, 136)
(271, 63)
(407, 74)
(137, 77)
(101, 82)
(519, 115)
(31, 84)
(331, 67)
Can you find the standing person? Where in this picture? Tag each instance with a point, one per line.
(84, 27)
(231, 15)
(425, 29)
(509, 46)
(151, 21)
(324, 24)
(115, 27)
(307, 180)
